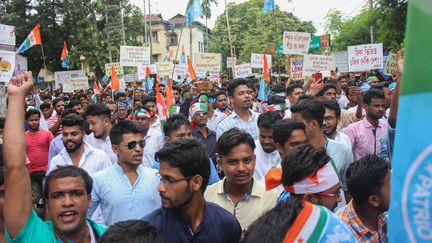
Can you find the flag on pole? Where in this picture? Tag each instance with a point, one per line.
(264, 90)
(160, 103)
(191, 70)
(65, 56)
(193, 11)
(411, 178)
(115, 84)
(34, 38)
(183, 56)
(96, 87)
(171, 54)
(269, 5)
(169, 94)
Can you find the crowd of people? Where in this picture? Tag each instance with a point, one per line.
(310, 163)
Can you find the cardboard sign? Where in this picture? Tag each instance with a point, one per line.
(7, 65)
(75, 83)
(207, 62)
(64, 78)
(315, 63)
(117, 67)
(142, 71)
(165, 69)
(7, 35)
(365, 57)
(134, 56)
(214, 76)
(390, 66)
(242, 70)
(257, 60)
(200, 73)
(231, 62)
(296, 42)
(296, 68)
(180, 70)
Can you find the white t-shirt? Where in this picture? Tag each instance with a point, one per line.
(265, 161)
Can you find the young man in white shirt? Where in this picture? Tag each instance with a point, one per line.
(332, 117)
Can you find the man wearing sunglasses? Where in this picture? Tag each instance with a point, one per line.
(126, 190)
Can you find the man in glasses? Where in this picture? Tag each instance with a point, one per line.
(185, 216)
(199, 115)
(126, 190)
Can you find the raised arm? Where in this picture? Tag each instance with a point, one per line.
(18, 196)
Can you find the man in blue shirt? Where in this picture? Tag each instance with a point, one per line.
(126, 190)
(185, 216)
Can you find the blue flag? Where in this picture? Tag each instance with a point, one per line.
(65, 63)
(193, 11)
(269, 5)
(264, 90)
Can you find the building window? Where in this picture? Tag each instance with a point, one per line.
(155, 36)
(172, 39)
(200, 46)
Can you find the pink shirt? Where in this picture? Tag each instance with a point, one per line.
(52, 120)
(37, 147)
(365, 139)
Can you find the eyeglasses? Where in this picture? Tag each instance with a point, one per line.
(327, 194)
(170, 181)
(199, 113)
(132, 144)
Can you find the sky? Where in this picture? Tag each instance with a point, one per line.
(300, 8)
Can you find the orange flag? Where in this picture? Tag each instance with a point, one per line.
(65, 52)
(96, 87)
(160, 105)
(169, 94)
(266, 69)
(115, 84)
(191, 70)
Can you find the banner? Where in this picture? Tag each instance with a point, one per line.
(142, 71)
(341, 59)
(134, 56)
(365, 57)
(7, 65)
(201, 74)
(117, 67)
(390, 65)
(64, 77)
(231, 62)
(315, 63)
(180, 70)
(242, 70)
(7, 35)
(296, 42)
(207, 62)
(75, 83)
(214, 76)
(165, 69)
(257, 60)
(296, 68)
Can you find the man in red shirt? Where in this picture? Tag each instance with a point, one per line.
(37, 147)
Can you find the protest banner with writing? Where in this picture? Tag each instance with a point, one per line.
(390, 66)
(242, 70)
(231, 62)
(134, 56)
(365, 57)
(257, 60)
(165, 69)
(207, 62)
(341, 59)
(214, 76)
(180, 70)
(75, 84)
(201, 73)
(64, 77)
(7, 65)
(316, 63)
(296, 68)
(117, 67)
(296, 42)
(7, 35)
(142, 70)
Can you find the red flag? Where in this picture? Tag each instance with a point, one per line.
(160, 105)
(65, 52)
(191, 70)
(115, 84)
(169, 94)
(147, 72)
(96, 87)
(266, 69)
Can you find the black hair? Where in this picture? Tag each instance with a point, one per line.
(310, 110)
(2, 122)
(31, 112)
(131, 231)
(233, 138)
(189, 156)
(1, 176)
(123, 127)
(275, 99)
(235, 83)
(105, 95)
(278, 88)
(290, 89)
(175, 122)
(73, 120)
(373, 93)
(305, 97)
(46, 97)
(332, 105)
(283, 128)
(147, 99)
(365, 177)
(273, 226)
(219, 93)
(176, 87)
(98, 110)
(342, 77)
(325, 88)
(44, 106)
(120, 94)
(57, 100)
(63, 171)
(68, 112)
(82, 95)
(268, 119)
(302, 161)
(73, 103)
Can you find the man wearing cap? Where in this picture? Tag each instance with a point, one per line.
(122, 111)
(199, 116)
(214, 117)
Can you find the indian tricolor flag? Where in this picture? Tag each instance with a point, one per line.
(34, 38)
(160, 103)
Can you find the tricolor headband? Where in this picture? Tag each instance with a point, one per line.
(197, 107)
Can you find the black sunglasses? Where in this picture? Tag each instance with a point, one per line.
(132, 144)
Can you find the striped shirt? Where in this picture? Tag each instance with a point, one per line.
(234, 120)
(51, 121)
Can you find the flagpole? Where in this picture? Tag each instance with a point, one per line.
(229, 36)
(178, 47)
(43, 57)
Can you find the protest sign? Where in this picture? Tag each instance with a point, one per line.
(180, 70)
(200, 73)
(242, 70)
(7, 65)
(134, 56)
(257, 60)
(142, 70)
(75, 83)
(165, 69)
(130, 77)
(341, 59)
(117, 67)
(231, 62)
(7, 35)
(207, 62)
(20, 64)
(390, 65)
(296, 42)
(297, 68)
(214, 76)
(316, 63)
(64, 78)
(365, 57)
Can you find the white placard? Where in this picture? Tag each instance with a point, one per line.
(200, 74)
(231, 62)
(64, 77)
(296, 42)
(365, 57)
(76, 83)
(134, 56)
(214, 76)
(142, 71)
(243, 70)
(316, 63)
(7, 35)
(117, 67)
(341, 58)
(257, 60)
(296, 68)
(207, 62)
(165, 69)
(7, 65)
(180, 70)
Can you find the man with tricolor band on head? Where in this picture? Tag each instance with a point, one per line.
(214, 117)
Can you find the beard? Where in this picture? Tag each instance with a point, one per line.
(76, 146)
(331, 132)
(178, 207)
(269, 149)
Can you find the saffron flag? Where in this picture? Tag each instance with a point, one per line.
(169, 94)
(65, 56)
(191, 70)
(34, 38)
(115, 84)
(96, 87)
(269, 5)
(193, 11)
(411, 179)
(171, 54)
(160, 103)
(264, 90)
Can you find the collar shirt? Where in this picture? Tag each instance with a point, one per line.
(342, 157)
(342, 138)
(154, 142)
(213, 122)
(119, 200)
(209, 141)
(265, 161)
(234, 120)
(104, 145)
(92, 160)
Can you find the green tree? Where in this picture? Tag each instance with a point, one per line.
(206, 6)
(391, 23)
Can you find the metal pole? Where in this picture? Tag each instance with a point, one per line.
(178, 47)
(122, 23)
(229, 35)
(145, 23)
(372, 35)
(151, 35)
(108, 35)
